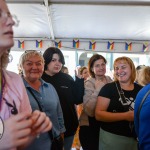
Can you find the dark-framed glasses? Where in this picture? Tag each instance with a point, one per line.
(5, 15)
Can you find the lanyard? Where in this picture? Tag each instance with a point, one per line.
(2, 83)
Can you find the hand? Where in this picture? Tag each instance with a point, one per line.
(41, 123)
(17, 130)
(129, 115)
(77, 73)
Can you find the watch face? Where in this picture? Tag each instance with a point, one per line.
(1, 127)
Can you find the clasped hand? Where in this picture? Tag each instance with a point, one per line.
(21, 129)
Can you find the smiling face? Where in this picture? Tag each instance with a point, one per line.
(33, 68)
(122, 71)
(6, 31)
(55, 65)
(99, 68)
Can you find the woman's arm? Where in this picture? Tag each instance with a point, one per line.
(101, 113)
(60, 116)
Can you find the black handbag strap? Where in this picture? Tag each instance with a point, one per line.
(141, 104)
(121, 94)
(50, 132)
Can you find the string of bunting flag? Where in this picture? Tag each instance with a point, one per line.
(92, 45)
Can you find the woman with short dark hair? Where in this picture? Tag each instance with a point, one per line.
(70, 92)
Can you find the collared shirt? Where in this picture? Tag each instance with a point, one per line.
(49, 101)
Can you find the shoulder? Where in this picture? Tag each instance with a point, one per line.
(109, 85)
(9, 74)
(107, 90)
(108, 78)
(46, 84)
(64, 76)
(143, 90)
(141, 95)
(90, 81)
(137, 87)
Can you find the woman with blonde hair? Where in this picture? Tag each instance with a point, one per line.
(43, 96)
(115, 107)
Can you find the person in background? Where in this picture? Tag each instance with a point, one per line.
(32, 66)
(21, 125)
(142, 120)
(144, 76)
(70, 92)
(138, 69)
(84, 72)
(64, 69)
(89, 127)
(115, 111)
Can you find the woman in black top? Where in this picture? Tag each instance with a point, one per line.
(70, 92)
(115, 113)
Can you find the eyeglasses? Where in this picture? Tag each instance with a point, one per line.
(5, 15)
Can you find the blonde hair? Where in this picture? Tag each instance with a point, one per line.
(28, 54)
(144, 76)
(131, 64)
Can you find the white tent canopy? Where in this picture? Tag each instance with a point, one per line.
(116, 20)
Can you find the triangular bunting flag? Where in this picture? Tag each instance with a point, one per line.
(110, 45)
(128, 47)
(58, 44)
(39, 44)
(76, 43)
(21, 44)
(145, 47)
(92, 45)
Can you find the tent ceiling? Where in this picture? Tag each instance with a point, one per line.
(86, 19)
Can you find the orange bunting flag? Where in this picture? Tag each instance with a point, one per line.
(128, 47)
(92, 45)
(110, 45)
(76, 43)
(21, 44)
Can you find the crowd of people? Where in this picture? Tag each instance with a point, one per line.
(40, 103)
